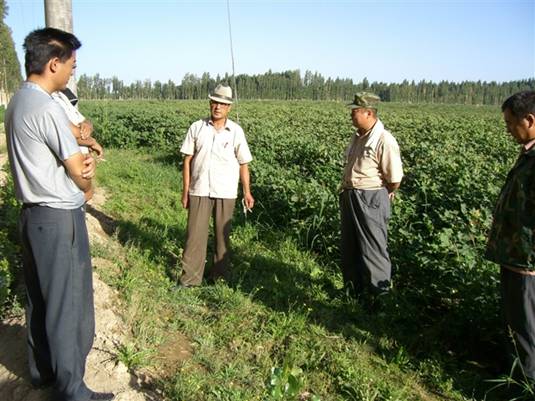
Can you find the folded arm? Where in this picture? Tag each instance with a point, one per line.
(81, 169)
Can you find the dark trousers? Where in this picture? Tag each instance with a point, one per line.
(194, 255)
(518, 302)
(60, 312)
(364, 256)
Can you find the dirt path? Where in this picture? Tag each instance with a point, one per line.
(103, 371)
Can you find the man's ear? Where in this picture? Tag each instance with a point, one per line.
(530, 118)
(53, 64)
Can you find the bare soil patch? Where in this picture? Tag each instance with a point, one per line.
(173, 352)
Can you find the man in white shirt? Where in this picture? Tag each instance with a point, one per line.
(216, 157)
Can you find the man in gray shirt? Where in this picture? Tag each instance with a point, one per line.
(53, 180)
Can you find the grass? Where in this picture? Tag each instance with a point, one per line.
(281, 328)
(280, 322)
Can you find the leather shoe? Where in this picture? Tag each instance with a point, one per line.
(102, 396)
(42, 384)
(181, 287)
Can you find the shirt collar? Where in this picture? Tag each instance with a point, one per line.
(377, 126)
(33, 85)
(527, 147)
(226, 126)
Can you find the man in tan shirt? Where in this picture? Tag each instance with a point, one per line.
(372, 174)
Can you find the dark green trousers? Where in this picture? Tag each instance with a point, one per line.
(518, 302)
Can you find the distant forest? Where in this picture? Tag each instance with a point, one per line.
(292, 85)
(10, 76)
(287, 85)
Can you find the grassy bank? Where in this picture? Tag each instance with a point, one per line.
(282, 327)
(281, 322)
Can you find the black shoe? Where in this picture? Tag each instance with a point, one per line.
(42, 384)
(102, 396)
(180, 287)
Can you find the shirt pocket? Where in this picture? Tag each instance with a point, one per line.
(224, 151)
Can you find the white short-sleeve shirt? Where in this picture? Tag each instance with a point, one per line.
(72, 112)
(217, 155)
(75, 117)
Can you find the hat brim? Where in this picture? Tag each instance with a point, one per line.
(353, 106)
(220, 99)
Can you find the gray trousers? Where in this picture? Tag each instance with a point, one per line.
(59, 285)
(364, 256)
(194, 256)
(518, 302)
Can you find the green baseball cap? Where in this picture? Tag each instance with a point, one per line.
(365, 100)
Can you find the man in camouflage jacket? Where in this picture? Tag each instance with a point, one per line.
(512, 237)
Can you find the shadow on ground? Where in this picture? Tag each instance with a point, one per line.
(283, 286)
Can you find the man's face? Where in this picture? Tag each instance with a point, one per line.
(519, 128)
(219, 111)
(64, 70)
(360, 118)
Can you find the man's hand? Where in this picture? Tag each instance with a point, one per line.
(97, 148)
(90, 167)
(86, 129)
(88, 195)
(249, 200)
(185, 200)
(391, 188)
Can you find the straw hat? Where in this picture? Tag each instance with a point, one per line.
(222, 94)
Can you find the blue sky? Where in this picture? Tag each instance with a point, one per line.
(385, 40)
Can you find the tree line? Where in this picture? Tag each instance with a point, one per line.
(292, 85)
(10, 76)
(287, 85)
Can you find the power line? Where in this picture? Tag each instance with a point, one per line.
(232, 59)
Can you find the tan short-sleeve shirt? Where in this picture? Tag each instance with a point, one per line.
(372, 160)
(217, 155)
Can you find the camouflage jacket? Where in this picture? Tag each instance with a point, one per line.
(512, 236)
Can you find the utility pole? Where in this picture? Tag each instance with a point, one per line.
(58, 14)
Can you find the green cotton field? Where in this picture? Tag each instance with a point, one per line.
(282, 327)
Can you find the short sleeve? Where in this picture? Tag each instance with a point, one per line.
(72, 112)
(56, 132)
(391, 166)
(241, 149)
(188, 146)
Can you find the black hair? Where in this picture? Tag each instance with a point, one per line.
(44, 44)
(520, 104)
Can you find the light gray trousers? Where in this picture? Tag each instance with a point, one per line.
(364, 255)
(194, 255)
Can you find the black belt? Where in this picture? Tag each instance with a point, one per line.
(29, 205)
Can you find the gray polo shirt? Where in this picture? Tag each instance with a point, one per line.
(38, 140)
